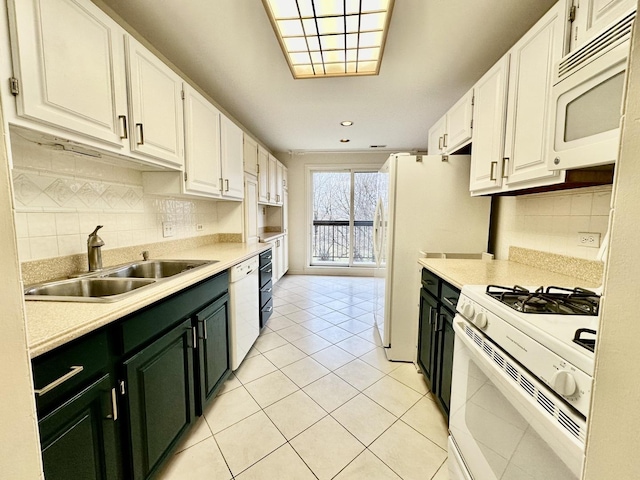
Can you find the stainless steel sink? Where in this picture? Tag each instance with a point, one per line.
(112, 284)
(156, 268)
(86, 289)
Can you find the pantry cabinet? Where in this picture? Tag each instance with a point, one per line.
(512, 112)
(155, 106)
(69, 68)
(593, 16)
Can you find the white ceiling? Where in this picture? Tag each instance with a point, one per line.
(435, 51)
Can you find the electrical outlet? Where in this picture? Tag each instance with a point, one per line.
(168, 229)
(199, 227)
(589, 239)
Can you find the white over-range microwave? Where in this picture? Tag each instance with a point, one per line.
(587, 97)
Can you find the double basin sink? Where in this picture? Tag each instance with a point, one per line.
(112, 284)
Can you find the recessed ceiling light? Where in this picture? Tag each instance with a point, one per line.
(344, 140)
(346, 123)
(331, 38)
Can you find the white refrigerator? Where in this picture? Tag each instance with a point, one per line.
(424, 205)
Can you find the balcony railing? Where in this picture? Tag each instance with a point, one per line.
(331, 242)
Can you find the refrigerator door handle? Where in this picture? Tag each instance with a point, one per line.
(376, 231)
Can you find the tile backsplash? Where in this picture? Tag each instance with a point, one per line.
(551, 221)
(61, 196)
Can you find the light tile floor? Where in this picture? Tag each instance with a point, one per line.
(316, 398)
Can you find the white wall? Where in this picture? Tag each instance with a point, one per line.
(612, 448)
(550, 221)
(61, 197)
(298, 197)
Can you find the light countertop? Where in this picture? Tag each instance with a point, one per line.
(268, 236)
(461, 272)
(51, 324)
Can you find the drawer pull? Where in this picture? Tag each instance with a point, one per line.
(56, 383)
(269, 309)
(268, 290)
(448, 300)
(114, 404)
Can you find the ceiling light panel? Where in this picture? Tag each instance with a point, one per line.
(328, 38)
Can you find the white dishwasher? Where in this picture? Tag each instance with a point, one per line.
(244, 299)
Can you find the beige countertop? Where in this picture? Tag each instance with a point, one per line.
(51, 324)
(268, 236)
(461, 272)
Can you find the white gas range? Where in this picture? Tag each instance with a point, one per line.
(522, 377)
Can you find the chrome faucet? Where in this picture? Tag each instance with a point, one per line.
(94, 243)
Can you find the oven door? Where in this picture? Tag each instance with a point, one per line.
(504, 423)
(588, 106)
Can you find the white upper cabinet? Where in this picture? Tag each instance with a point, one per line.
(593, 16)
(250, 155)
(263, 175)
(273, 180)
(202, 144)
(529, 109)
(453, 130)
(279, 183)
(231, 152)
(155, 104)
(436, 136)
(285, 178)
(68, 59)
(488, 128)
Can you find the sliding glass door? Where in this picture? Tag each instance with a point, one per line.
(343, 204)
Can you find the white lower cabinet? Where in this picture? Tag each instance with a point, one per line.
(512, 111)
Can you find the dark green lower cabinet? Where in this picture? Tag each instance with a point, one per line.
(426, 340)
(447, 338)
(213, 331)
(159, 385)
(79, 438)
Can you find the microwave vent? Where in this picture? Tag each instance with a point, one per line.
(614, 35)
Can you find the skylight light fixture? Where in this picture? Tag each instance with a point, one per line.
(331, 38)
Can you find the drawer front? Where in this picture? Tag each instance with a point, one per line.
(266, 257)
(449, 296)
(431, 282)
(59, 374)
(266, 292)
(266, 273)
(265, 312)
(142, 326)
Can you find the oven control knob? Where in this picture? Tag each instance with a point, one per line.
(564, 383)
(468, 311)
(480, 320)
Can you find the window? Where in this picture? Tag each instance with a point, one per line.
(343, 206)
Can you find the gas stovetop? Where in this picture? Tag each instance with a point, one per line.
(549, 300)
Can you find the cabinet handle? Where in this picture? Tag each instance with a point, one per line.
(268, 271)
(123, 126)
(114, 404)
(431, 309)
(492, 175)
(440, 326)
(448, 300)
(444, 141)
(204, 329)
(505, 164)
(440, 143)
(140, 130)
(257, 168)
(268, 195)
(226, 183)
(268, 290)
(221, 185)
(75, 370)
(195, 337)
(270, 309)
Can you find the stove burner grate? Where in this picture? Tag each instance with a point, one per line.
(588, 343)
(552, 300)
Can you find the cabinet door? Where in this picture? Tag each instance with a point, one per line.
(426, 336)
(273, 175)
(79, 437)
(459, 118)
(279, 176)
(594, 16)
(529, 110)
(250, 156)
(159, 385)
(436, 137)
(213, 346)
(68, 56)
(232, 165)
(285, 254)
(155, 97)
(285, 178)
(202, 144)
(446, 341)
(275, 261)
(263, 175)
(250, 210)
(488, 128)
